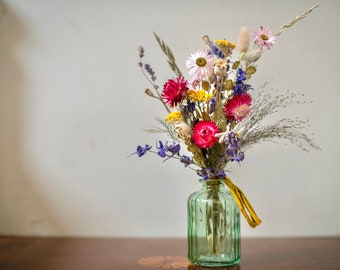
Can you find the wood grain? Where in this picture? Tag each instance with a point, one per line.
(21, 253)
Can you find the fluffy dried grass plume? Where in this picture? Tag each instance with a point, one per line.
(243, 40)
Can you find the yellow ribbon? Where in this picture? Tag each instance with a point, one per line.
(243, 203)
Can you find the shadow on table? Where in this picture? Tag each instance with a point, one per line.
(195, 267)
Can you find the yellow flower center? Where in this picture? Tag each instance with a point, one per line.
(264, 37)
(201, 62)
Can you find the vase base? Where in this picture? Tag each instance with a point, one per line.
(216, 263)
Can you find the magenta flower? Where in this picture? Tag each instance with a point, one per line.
(238, 107)
(174, 91)
(264, 38)
(204, 134)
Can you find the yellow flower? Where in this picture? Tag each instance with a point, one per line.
(199, 96)
(174, 117)
(224, 43)
(225, 46)
(202, 96)
(191, 94)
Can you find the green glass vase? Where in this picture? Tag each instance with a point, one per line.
(214, 237)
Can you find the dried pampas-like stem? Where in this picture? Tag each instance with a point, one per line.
(294, 21)
(168, 129)
(252, 130)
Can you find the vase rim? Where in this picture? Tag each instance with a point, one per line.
(214, 181)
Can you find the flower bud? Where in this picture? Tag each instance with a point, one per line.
(183, 129)
(206, 39)
(149, 92)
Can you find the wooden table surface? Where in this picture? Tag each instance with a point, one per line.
(18, 253)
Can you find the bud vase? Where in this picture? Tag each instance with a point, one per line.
(214, 238)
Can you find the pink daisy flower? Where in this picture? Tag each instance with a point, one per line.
(264, 37)
(201, 64)
(238, 107)
(204, 134)
(174, 91)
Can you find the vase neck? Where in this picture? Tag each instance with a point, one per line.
(212, 184)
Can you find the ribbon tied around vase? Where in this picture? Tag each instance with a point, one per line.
(243, 203)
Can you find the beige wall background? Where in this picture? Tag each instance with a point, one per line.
(72, 108)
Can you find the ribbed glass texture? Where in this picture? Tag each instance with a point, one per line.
(214, 237)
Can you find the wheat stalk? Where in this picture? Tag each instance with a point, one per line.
(171, 59)
(294, 21)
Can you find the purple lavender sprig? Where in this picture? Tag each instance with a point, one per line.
(165, 150)
(150, 71)
(150, 75)
(147, 67)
